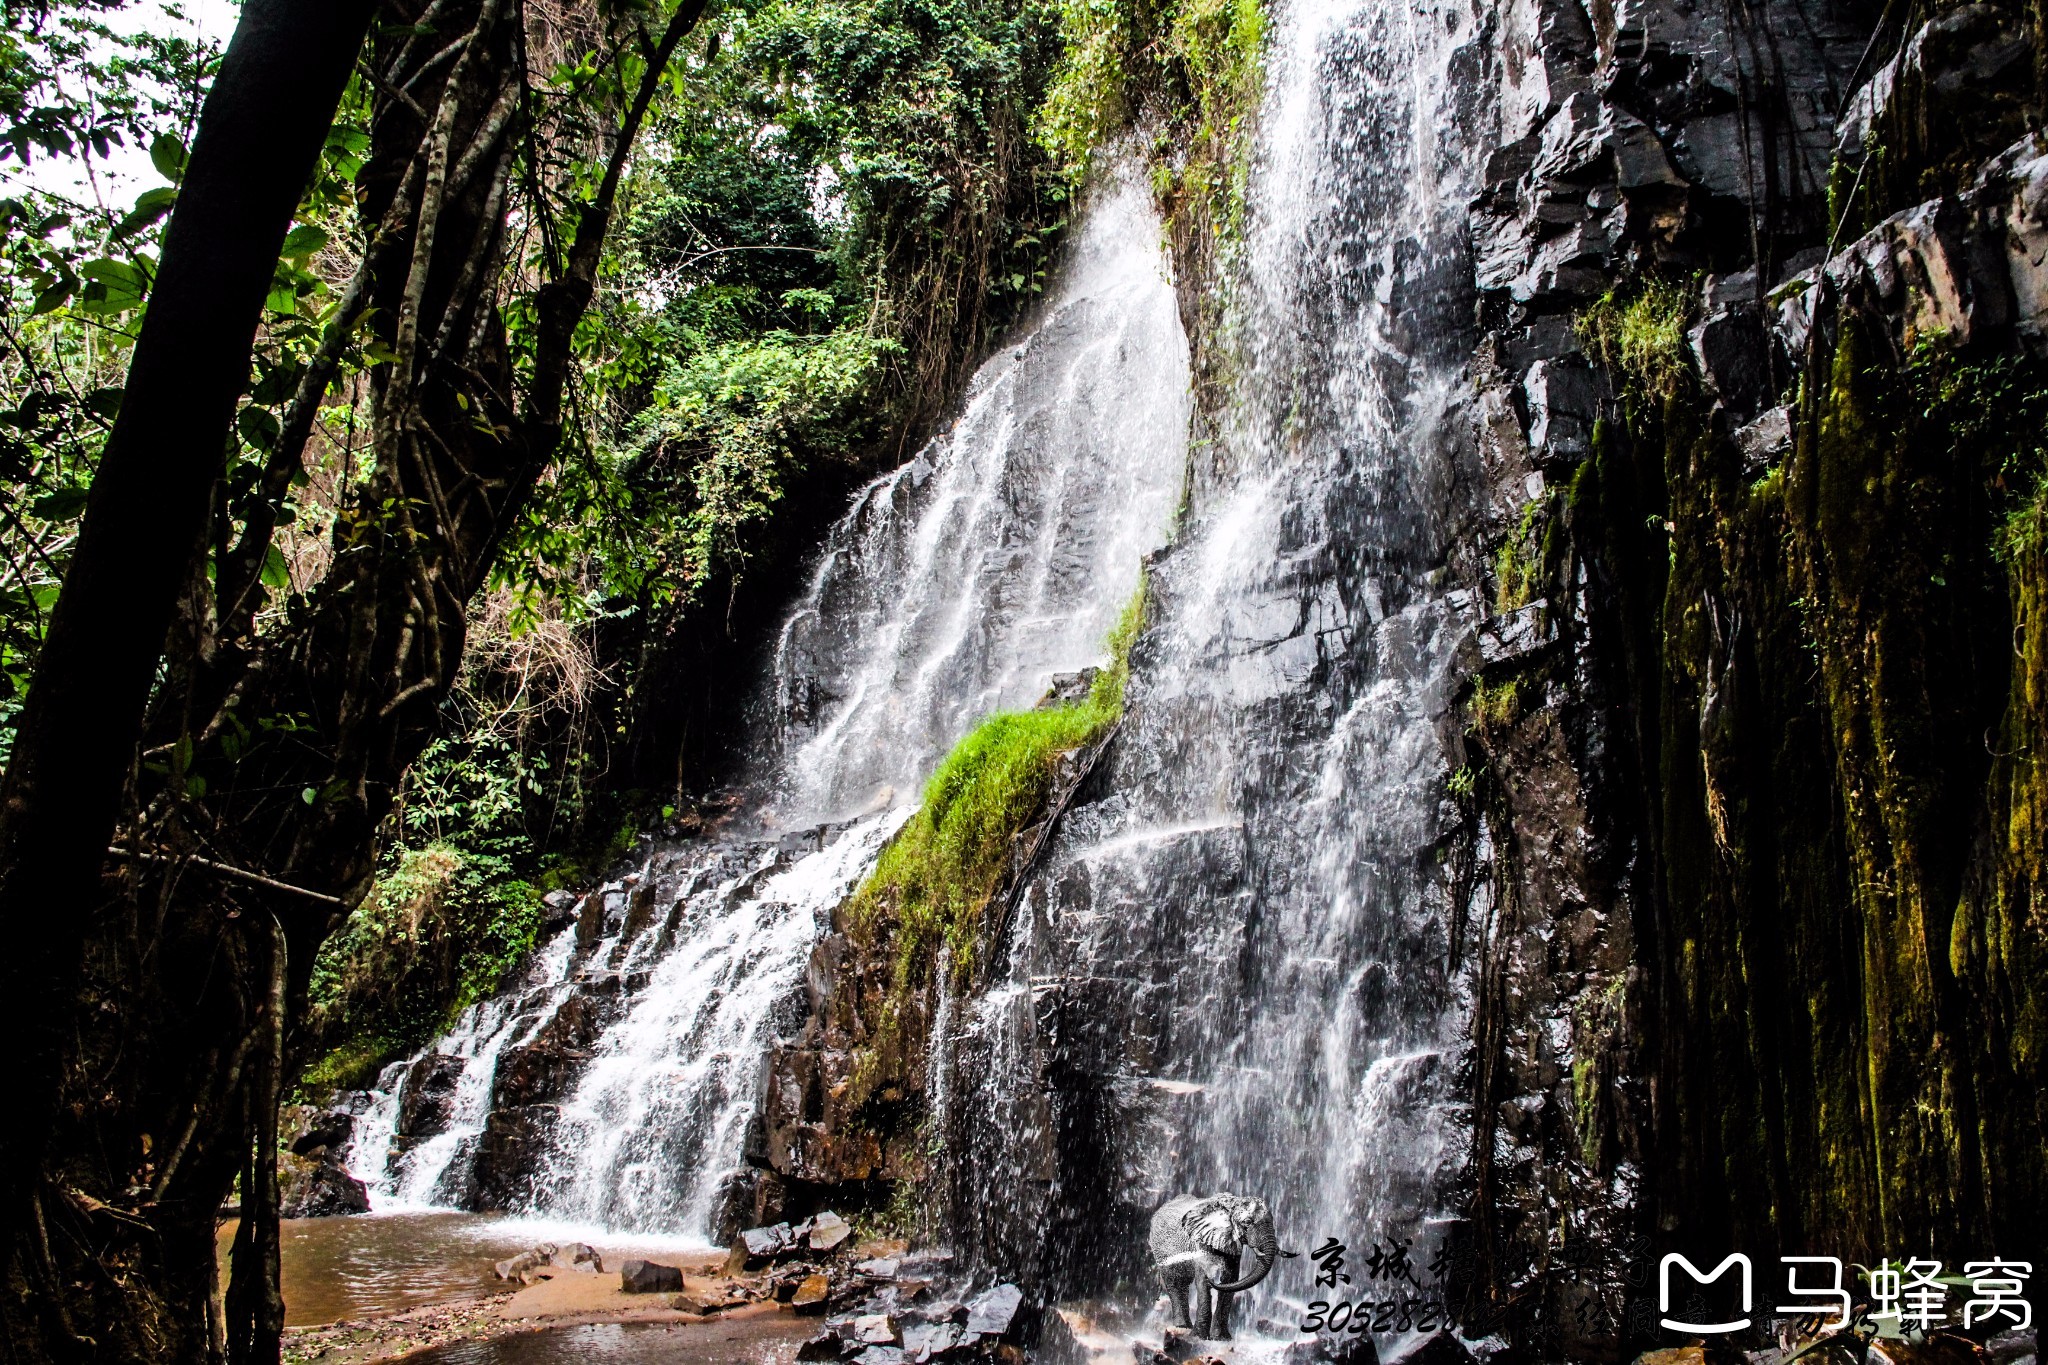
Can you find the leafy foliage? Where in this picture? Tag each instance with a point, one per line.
(438, 933)
(1638, 330)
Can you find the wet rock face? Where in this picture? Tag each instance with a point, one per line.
(1643, 763)
(313, 1179)
(425, 1102)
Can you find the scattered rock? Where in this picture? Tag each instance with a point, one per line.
(922, 1342)
(877, 1329)
(580, 1256)
(993, 1310)
(649, 1277)
(810, 1296)
(525, 1267)
(766, 1243)
(829, 1231)
(943, 1310)
(881, 1355)
(824, 1346)
(880, 1268)
(692, 1303)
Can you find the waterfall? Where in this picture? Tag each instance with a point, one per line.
(1003, 554)
(1238, 966)
(612, 1087)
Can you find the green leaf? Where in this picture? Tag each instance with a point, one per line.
(150, 205)
(50, 299)
(112, 286)
(258, 427)
(169, 156)
(276, 574)
(61, 505)
(309, 796)
(302, 241)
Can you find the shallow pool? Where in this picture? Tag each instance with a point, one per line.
(377, 1263)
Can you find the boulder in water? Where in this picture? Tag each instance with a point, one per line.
(580, 1256)
(810, 1296)
(650, 1277)
(310, 1188)
(312, 1180)
(993, 1310)
(922, 1342)
(880, 1268)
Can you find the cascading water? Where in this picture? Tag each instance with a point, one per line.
(613, 1086)
(1239, 966)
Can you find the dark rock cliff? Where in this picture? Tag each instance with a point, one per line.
(1753, 728)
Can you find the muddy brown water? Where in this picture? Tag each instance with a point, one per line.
(768, 1340)
(380, 1263)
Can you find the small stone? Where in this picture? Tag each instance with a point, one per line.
(691, 1303)
(829, 1231)
(581, 1256)
(881, 1355)
(944, 1310)
(824, 1346)
(764, 1243)
(877, 1329)
(881, 1268)
(992, 1310)
(926, 1340)
(649, 1277)
(810, 1296)
(521, 1266)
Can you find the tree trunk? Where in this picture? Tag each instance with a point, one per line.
(300, 737)
(261, 129)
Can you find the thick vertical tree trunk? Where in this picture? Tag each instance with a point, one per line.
(198, 962)
(261, 129)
